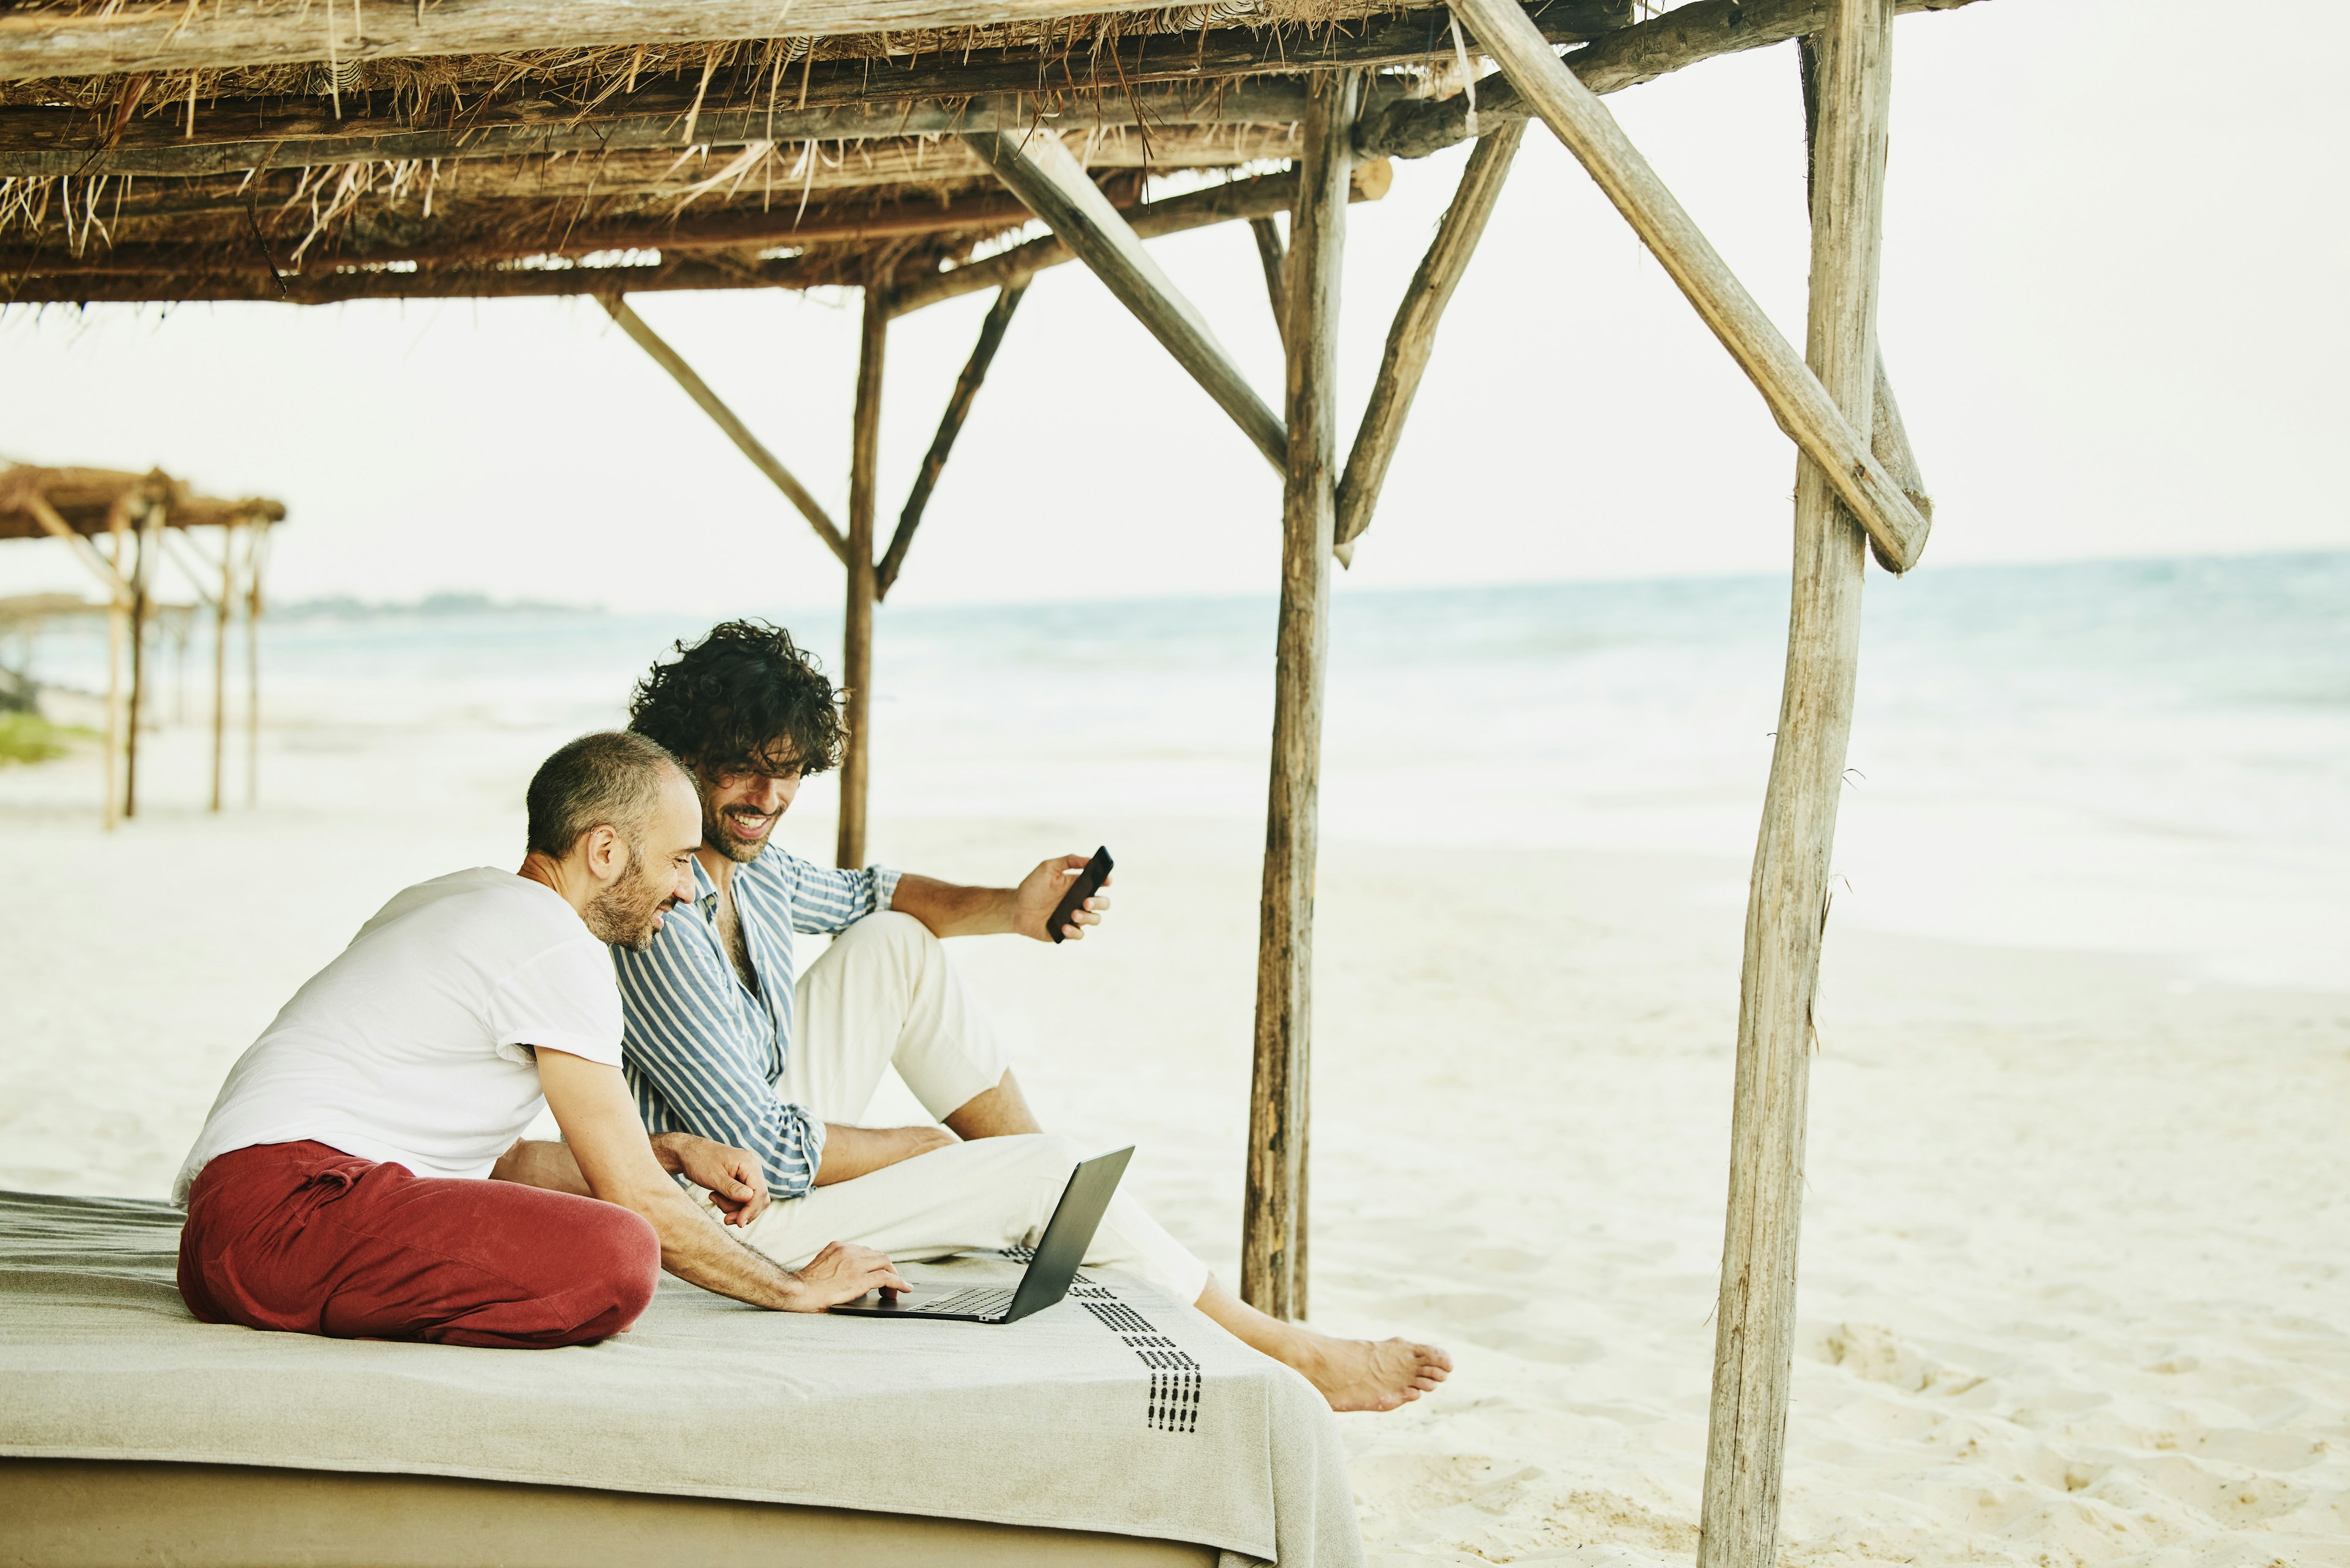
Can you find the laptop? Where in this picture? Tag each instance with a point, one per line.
(1050, 1272)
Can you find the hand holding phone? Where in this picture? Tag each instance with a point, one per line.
(1089, 883)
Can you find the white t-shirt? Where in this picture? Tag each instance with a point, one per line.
(409, 1047)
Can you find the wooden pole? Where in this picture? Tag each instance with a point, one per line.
(1412, 339)
(857, 636)
(220, 663)
(117, 627)
(766, 462)
(1802, 407)
(1273, 1231)
(934, 462)
(142, 582)
(256, 551)
(1787, 905)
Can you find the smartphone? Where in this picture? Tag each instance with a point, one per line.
(1087, 884)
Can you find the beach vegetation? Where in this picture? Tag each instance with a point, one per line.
(29, 738)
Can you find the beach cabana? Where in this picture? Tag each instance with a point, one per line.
(147, 520)
(265, 149)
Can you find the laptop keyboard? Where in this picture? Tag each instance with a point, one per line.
(978, 1301)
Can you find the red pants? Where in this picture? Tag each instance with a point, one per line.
(302, 1237)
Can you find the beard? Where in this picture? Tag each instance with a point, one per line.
(719, 833)
(627, 913)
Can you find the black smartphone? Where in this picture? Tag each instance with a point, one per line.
(1087, 884)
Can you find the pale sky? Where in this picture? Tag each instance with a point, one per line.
(2114, 311)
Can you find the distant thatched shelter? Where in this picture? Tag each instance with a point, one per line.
(137, 515)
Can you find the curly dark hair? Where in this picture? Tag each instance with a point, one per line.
(743, 700)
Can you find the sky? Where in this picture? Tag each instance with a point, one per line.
(2112, 309)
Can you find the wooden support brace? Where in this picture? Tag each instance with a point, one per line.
(1042, 172)
(669, 359)
(934, 462)
(1274, 258)
(1802, 407)
(1258, 196)
(167, 36)
(1274, 1220)
(1786, 911)
(1412, 339)
(117, 590)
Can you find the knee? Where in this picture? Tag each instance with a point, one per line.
(619, 1258)
(890, 930)
(1047, 1157)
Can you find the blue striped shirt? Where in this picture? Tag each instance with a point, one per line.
(703, 1052)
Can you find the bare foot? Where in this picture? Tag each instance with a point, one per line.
(1371, 1374)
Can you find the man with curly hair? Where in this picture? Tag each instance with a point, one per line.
(724, 1042)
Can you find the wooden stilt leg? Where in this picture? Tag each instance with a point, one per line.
(1272, 1239)
(220, 663)
(256, 551)
(117, 629)
(1787, 907)
(857, 637)
(142, 588)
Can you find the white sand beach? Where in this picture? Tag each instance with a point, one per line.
(2073, 1288)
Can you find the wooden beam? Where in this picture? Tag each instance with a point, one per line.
(170, 35)
(1787, 905)
(453, 283)
(766, 462)
(1257, 196)
(1273, 1222)
(1273, 255)
(1042, 173)
(857, 632)
(1802, 408)
(1194, 209)
(49, 141)
(231, 133)
(1412, 339)
(1681, 37)
(716, 231)
(934, 462)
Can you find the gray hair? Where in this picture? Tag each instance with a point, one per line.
(611, 779)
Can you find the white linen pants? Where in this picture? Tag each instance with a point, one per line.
(886, 995)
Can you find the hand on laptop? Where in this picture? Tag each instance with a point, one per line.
(735, 1183)
(842, 1273)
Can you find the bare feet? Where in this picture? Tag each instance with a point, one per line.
(1352, 1374)
(1369, 1375)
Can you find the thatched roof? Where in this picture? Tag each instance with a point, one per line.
(280, 148)
(90, 500)
(321, 149)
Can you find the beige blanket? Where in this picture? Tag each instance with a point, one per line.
(1115, 1411)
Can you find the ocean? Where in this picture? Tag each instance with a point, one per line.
(2144, 756)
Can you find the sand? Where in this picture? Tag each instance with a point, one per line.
(2076, 1229)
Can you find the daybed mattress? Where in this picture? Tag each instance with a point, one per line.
(1117, 1411)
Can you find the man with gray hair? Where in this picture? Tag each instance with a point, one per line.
(362, 1172)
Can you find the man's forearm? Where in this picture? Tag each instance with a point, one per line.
(952, 909)
(851, 1152)
(696, 1249)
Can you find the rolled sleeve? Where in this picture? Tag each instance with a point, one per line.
(694, 1047)
(826, 900)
